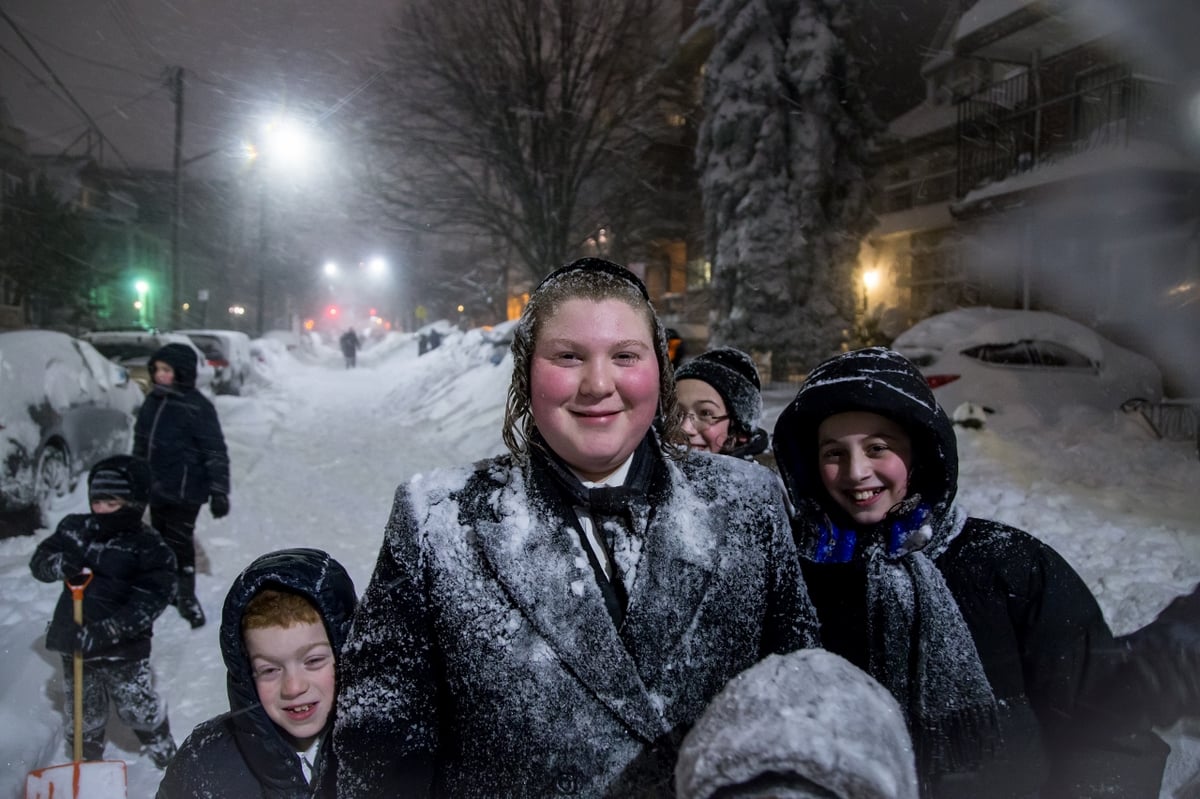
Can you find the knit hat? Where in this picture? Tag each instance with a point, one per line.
(876, 380)
(733, 374)
(120, 477)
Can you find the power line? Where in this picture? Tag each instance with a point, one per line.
(114, 110)
(58, 82)
(38, 78)
(94, 62)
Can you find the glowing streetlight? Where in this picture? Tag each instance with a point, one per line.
(330, 268)
(870, 279)
(285, 141)
(377, 267)
(142, 288)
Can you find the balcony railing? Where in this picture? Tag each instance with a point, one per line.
(1007, 129)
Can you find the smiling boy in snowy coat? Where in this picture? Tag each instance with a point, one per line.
(285, 619)
(132, 578)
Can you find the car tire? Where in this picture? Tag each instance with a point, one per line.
(52, 480)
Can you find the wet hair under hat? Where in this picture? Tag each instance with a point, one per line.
(733, 374)
(597, 280)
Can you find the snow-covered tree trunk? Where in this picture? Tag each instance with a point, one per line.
(782, 156)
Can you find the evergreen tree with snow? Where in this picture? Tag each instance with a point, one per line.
(782, 156)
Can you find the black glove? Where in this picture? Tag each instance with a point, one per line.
(219, 505)
(70, 563)
(97, 636)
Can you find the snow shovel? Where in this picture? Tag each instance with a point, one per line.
(98, 779)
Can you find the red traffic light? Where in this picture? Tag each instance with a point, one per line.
(333, 310)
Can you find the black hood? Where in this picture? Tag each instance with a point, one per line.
(324, 582)
(179, 357)
(880, 381)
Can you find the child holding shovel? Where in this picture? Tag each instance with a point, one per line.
(132, 575)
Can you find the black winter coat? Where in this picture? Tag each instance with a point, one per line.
(134, 578)
(483, 661)
(1035, 625)
(1036, 628)
(241, 754)
(179, 435)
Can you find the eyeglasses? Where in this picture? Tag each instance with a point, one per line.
(704, 419)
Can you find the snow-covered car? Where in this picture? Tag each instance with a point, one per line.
(133, 348)
(63, 407)
(996, 359)
(228, 352)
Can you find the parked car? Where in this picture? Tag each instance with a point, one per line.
(228, 352)
(133, 348)
(63, 407)
(994, 358)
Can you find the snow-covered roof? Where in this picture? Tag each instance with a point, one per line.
(988, 12)
(933, 216)
(928, 117)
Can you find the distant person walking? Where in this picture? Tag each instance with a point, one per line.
(179, 435)
(350, 345)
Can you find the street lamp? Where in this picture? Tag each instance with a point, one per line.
(331, 269)
(283, 143)
(142, 288)
(870, 279)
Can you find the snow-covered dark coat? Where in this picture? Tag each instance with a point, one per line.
(178, 433)
(483, 662)
(134, 578)
(804, 719)
(1035, 625)
(241, 754)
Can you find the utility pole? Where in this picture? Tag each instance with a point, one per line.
(177, 196)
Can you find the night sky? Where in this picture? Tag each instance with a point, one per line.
(247, 60)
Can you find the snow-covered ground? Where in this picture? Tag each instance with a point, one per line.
(318, 450)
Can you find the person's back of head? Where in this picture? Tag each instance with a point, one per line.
(807, 725)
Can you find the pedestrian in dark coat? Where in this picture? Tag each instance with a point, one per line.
(179, 435)
(984, 634)
(243, 754)
(806, 725)
(349, 343)
(550, 622)
(132, 579)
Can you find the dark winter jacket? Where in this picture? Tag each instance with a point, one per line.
(179, 435)
(133, 580)
(483, 661)
(241, 754)
(1156, 675)
(1036, 629)
(808, 719)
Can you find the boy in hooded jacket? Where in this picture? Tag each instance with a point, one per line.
(988, 639)
(284, 622)
(132, 579)
(179, 435)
